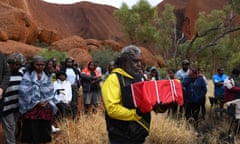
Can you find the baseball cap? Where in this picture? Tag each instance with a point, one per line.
(186, 61)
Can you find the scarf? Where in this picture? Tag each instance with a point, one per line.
(33, 91)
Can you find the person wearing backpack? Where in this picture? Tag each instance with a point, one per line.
(195, 89)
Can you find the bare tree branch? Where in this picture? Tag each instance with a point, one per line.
(176, 50)
(214, 41)
(198, 35)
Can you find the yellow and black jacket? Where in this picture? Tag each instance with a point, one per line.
(124, 125)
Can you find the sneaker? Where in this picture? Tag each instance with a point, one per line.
(54, 129)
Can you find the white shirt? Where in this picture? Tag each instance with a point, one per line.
(99, 69)
(180, 74)
(65, 95)
(71, 76)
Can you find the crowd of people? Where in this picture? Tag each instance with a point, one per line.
(43, 90)
(127, 124)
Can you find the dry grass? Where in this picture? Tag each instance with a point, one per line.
(84, 130)
(92, 129)
(169, 131)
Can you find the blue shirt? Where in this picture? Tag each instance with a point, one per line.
(218, 89)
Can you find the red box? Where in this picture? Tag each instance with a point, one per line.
(148, 93)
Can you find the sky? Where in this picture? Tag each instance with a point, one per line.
(115, 3)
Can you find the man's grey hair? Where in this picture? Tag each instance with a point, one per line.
(130, 50)
(126, 54)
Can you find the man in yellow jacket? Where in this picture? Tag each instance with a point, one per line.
(125, 123)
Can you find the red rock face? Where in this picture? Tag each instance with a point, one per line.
(113, 44)
(187, 12)
(11, 46)
(93, 45)
(48, 36)
(88, 20)
(69, 43)
(149, 59)
(3, 36)
(85, 26)
(192, 10)
(84, 19)
(17, 24)
(80, 55)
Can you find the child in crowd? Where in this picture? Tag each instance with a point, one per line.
(63, 94)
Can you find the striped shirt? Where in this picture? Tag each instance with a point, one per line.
(10, 97)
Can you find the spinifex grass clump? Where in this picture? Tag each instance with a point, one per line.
(87, 129)
(92, 129)
(170, 131)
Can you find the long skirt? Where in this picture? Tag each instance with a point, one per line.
(37, 125)
(36, 131)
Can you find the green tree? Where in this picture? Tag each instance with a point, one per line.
(137, 22)
(103, 57)
(60, 56)
(213, 46)
(235, 5)
(215, 41)
(145, 27)
(167, 38)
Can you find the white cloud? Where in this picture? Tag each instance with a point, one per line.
(115, 3)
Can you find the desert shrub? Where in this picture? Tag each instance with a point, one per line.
(104, 56)
(60, 56)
